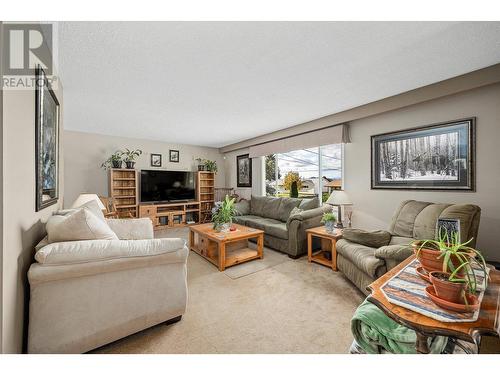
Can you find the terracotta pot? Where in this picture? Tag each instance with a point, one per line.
(430, 261)
(447, 290)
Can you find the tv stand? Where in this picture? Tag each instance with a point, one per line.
(171, 215)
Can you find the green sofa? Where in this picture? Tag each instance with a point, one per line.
(362, 263)
(283, 220)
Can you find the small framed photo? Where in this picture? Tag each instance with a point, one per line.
(174, 156)
(156, 160)
(448, 227)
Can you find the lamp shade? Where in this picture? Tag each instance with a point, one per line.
(87, 197)
(339, 198)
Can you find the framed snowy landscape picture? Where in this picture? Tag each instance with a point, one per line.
(434, 157)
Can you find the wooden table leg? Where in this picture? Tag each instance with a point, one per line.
(309, 247)
(334, 254)
(422, 345)
(191, 239)
(260, 246)
(222, 256)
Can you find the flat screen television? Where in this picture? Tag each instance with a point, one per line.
(167, 186)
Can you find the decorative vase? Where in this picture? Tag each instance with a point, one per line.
(330, 226)
(116, 163)
(130, 164)
(201, 167)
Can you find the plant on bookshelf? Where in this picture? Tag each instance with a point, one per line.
(130, 156)
(114, 161)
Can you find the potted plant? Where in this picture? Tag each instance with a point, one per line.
(130, 156)
(457, 279)
(114, 161)
(431, 253)
(211, 166)
(201, 164)
(329, 220)
(223, 213)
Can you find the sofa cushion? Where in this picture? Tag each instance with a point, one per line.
(403, 221)
(398, 240)
(368, 238)
(80, 225)
(99, 250)
(243, 219)
(276, 228)
(242, 207)
(271, 208)
(426, 221)
(257, 205)
(309, 204)
(469, 216)
(256, 222)
(286, 207)
(362, 256)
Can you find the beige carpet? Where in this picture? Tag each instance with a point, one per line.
(290, 307)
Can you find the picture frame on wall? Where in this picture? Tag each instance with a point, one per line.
(156, 160)
(244, 171)
(46, 142)
(433, 157)
(173, 156)
(448, 227)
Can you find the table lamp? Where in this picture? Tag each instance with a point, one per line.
(87, 197)
(339, 198)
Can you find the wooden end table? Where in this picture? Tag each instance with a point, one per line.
(226, 249)
(488, 322)
(328, 244)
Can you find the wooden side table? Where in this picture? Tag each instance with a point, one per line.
(328, 244)
(488, 322)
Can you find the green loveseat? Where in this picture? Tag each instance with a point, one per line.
(284, 230)
(363, 264)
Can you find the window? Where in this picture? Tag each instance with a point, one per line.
(315, 171)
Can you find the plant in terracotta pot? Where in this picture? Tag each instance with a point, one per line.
(130, 156)
(223, 213)
(114, 161)
(458, 278)
(431, 253)
(329, 219)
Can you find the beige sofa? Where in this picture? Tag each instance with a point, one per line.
(85, 294)
(363, 264)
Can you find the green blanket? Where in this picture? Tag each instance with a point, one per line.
(373, 330)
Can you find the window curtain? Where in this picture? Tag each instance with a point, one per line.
(325, 136)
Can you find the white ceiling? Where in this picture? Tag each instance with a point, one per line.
(216, 83)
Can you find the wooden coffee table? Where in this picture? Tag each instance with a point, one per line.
(328, 245)
(226, 249)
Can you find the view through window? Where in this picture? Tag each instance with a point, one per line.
(305, 173)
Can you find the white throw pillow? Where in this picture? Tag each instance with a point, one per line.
(93, 206)
(79, 226)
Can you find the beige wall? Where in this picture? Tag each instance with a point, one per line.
(258, 186)
(22, 226)
(86, 151)
(374, 208)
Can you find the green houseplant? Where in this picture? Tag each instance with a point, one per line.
(223, 213)
(114, 161)
(130, 156)
(201, 164)
(456, 277)
(329, 220)
(211, 166)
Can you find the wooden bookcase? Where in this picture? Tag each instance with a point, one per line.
(123, 188)
(205, 185)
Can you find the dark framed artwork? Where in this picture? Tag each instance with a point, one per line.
(434, 157)
(46, 142)
(156, 160)
(244, 171)
(173, 156)
(448, 227)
